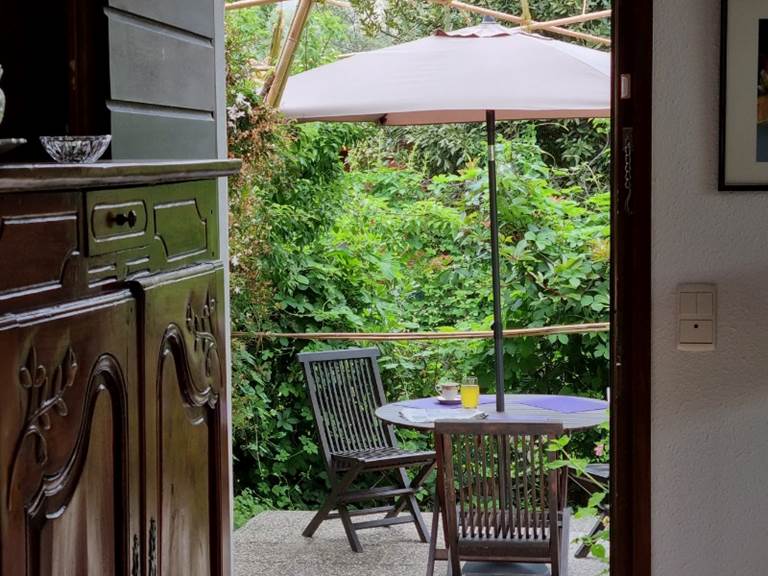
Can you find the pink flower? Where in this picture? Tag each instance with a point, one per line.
(599, 450)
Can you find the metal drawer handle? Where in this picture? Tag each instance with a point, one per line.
(130, 218)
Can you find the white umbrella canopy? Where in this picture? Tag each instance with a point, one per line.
(455, 77)
(482, 73)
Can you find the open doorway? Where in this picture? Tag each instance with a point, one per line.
(375, 281)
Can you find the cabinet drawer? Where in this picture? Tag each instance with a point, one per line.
(39, 245)
(156, 225)
(117, 225)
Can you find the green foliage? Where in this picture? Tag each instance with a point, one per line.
(564, 458)
(254, 38)
(247, 505)
(556, 250)
(438, 149)
(247, 43)
(390, 249)
(324, 39)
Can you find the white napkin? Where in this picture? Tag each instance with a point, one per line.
(420, 415)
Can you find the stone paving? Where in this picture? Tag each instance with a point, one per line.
(272, 544)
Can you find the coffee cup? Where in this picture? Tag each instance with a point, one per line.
(448, 390)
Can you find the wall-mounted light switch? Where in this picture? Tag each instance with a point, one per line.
(696, 317)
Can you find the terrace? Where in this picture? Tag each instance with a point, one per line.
(272, 543)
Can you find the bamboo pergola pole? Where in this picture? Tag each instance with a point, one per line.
(411, 336)
(503, 16)
(287, 53)
(571, 20)
(579, 35)
(526, 12)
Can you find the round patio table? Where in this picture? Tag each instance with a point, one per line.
(573, 412)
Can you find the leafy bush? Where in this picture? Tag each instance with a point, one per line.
(247, 505)
(389, 249)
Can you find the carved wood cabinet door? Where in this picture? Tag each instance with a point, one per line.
(186, 418)
(69, 440)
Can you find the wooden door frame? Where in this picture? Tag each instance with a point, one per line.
(631, 289)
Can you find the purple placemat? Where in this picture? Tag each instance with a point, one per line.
(564, 404)
(432, 402)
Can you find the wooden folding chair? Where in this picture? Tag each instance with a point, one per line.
(345, 389)
(499, 499)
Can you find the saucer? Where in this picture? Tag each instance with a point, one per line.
(446, 401)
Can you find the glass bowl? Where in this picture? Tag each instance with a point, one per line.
(77, 149)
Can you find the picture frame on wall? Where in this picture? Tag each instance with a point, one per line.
(744, 96)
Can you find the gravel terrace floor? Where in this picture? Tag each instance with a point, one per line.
(271, 544)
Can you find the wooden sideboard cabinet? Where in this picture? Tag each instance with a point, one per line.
(113, 351)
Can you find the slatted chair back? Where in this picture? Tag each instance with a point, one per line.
(345, 389)
(498, 486)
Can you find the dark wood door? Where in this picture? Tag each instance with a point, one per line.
(185, 406)
(69, 484)
(631, 242)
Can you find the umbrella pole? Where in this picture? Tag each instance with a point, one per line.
(498, 325)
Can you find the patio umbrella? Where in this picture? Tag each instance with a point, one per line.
(482, 73)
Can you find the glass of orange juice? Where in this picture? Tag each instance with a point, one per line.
(470, 393)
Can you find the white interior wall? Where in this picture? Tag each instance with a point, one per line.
(710, 410)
